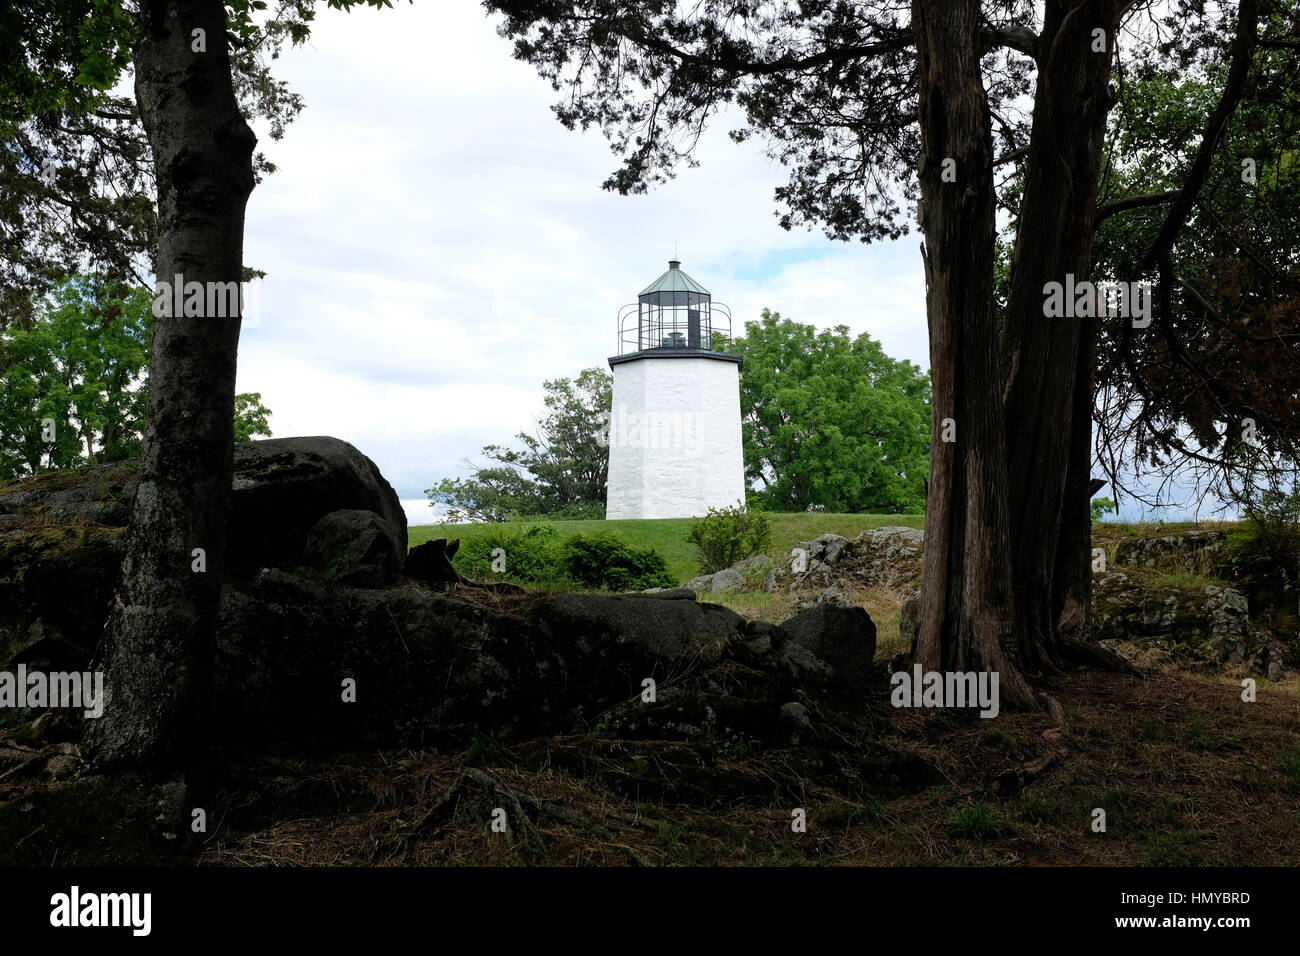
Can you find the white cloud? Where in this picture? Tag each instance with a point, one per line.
(418, 512)
(437, 245)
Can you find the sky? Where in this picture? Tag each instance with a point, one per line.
(437, 245)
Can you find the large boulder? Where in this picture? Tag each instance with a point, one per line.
(830, 563)
(56, 581)
(632, 635)
(355, 547)
(61, 537)
(809, 564)
(888, 557)
(759, 562)
(60, 550)
(1203, 627)
(283, 486)
(735, 578)
(726, 580)
(843, 637)
(303, 662)
(427, 667)
(99, 495)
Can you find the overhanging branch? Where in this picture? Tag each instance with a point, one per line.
(1021, 39)
(1243, 47)
(1134, 202)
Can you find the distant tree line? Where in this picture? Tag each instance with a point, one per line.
(830, 422)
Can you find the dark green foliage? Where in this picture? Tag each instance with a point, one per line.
(1263, 560)
(603, 561)
(538, 556)
(251, 417)
(1265, 574)
(727, 535)
(78, 367)
(81, 363)
(1226, 352)
(530, 555)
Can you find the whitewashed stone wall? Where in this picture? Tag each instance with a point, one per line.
(675, 448)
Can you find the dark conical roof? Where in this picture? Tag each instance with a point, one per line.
(674, 280)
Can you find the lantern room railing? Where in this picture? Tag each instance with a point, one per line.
(642, 328)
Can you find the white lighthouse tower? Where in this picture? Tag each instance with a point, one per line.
(674, 435)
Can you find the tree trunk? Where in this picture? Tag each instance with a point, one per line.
(158, 643)
(1048, 397)
(1002, 580)
(1072, 581)
(88, 437)
(967, 606)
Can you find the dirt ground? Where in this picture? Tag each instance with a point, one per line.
(1185, 771)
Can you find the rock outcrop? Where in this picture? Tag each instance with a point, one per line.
(428, 668)
(316, 646)
(735, 578)
(355, 547)
(284, 486)
(822, 571)
(1197, 626)
(1151, 552)
(297, 503)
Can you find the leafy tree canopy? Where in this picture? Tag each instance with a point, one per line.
(1213, 386)
(831, 421)
(74, 379)
(71, 377)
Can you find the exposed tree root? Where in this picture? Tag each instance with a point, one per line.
(1094, 655)
(445, 802)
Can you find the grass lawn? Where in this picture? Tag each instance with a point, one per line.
(668, 535)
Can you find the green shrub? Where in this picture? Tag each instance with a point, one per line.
(531, 554)
(727, 535)
(603, 561)
(1263, 566)
(1264, 561)
(538, 556)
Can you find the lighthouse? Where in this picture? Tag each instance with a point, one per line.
(674, 430)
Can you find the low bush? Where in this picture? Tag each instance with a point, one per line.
(527, 554)
(727, 535)
(539, 556)
(603, 561)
